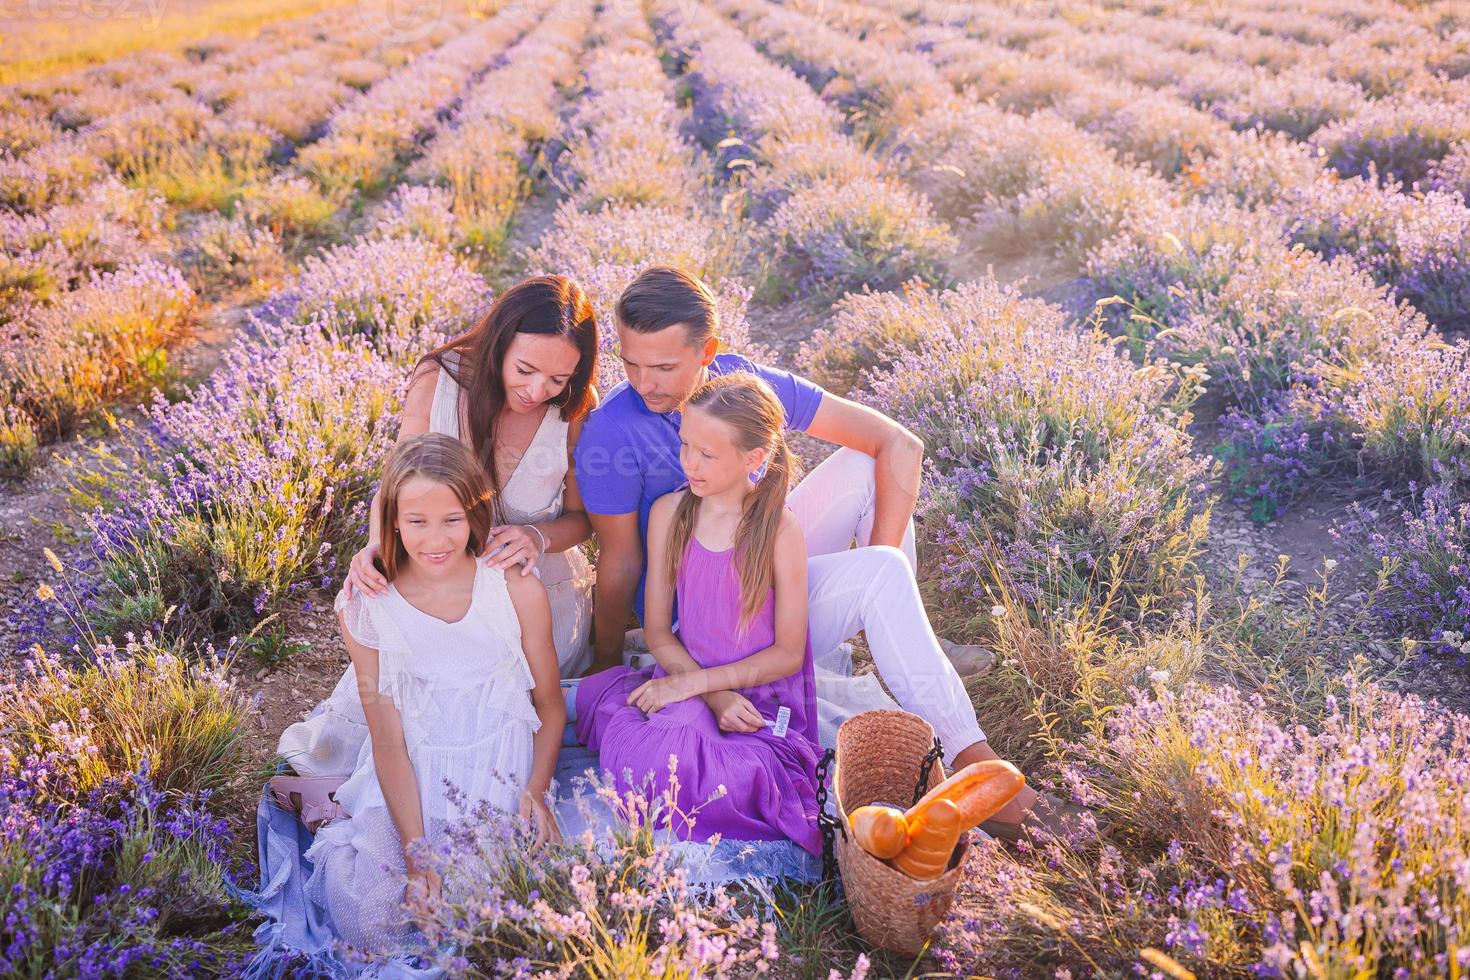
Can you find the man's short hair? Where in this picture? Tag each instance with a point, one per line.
(662, 297)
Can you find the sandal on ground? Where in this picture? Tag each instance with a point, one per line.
(970, 661)
(1056, 817)
(313, 797)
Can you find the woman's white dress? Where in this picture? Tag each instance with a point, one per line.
(463, 692)
(328, 741)
(534, 494)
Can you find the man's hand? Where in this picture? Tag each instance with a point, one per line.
(734, 712)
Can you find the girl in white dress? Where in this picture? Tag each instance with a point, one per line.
(514, 389)
(457, 681)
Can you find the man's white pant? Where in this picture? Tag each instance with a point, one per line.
(873, 588)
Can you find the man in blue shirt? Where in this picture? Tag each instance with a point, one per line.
(628, 457)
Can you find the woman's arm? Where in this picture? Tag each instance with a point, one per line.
(784, 657)
(572, 527)
(390, 750)
(560, 534)
(533, 610)
(362, 575)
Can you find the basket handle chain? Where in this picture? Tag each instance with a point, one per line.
(828, 823)
(932, 756)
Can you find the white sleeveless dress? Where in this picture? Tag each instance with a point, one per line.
(463, 690)
(532, 495)
(329, 740)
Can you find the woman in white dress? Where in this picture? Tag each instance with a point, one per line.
(515, 389)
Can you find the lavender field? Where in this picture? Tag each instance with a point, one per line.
(1177, 296)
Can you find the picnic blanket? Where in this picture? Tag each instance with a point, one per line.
(294, 941)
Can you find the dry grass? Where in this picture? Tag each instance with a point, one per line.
(46, 37)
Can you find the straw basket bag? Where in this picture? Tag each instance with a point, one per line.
(879, 758)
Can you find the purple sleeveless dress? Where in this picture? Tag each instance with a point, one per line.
(770, 781)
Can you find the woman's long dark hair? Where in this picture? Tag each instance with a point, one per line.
(549, 305)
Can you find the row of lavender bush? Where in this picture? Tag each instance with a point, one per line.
(640, 195)
(1314, 366)
(221, 529)
(296, 419)
(92, 318)
(63, 133)
(833, 216)
(1418, 243)
(1073, 473)
(115, 766)
(1251, 846)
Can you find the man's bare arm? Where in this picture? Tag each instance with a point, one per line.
(897, 453)
(619, 566)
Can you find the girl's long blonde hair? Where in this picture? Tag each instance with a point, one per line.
(442, 459)
(749, 406)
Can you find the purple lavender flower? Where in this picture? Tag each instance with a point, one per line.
(1424, 539)
(99, 884)
(1271, 456)
(1396, 139)
(1071, 472)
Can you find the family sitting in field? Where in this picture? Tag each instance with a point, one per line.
(473, 599)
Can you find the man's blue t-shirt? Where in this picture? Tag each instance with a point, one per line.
(628, 456)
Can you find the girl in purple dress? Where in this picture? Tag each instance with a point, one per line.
(732, 697)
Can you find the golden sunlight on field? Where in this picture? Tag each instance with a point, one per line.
(1127, 340)
(43, 37)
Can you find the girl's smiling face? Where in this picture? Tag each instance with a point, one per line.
(537, 368)
(432, 524)
(712, 461)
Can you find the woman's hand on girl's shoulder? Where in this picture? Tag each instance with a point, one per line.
(514, 544)
(363, 577)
